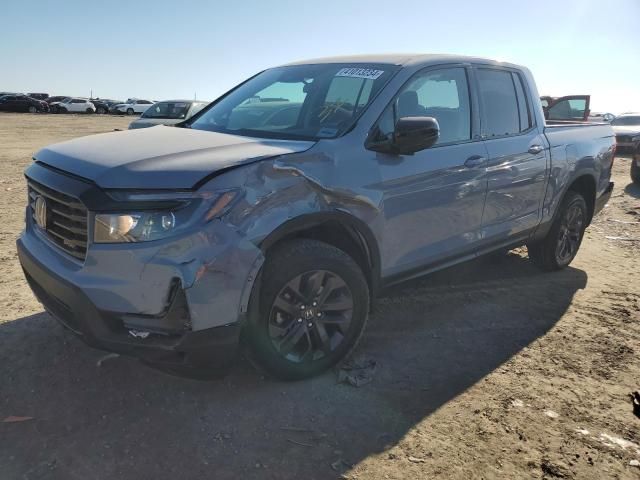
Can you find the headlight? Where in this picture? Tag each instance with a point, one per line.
(155, 224)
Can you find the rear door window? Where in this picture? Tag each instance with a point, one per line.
(500, 112)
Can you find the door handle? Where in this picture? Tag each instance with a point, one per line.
(474, 161)
(535, 149)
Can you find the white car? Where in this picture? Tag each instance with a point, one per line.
(131, 107)
(73, 105)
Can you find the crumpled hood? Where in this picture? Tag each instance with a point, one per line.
(159, 157)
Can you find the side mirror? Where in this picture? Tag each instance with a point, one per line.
(411, 135)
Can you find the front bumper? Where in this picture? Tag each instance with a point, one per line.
(202, 354)
(627, 146)
(189, 292)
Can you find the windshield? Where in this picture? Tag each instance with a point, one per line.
(635, 120)
(167, 110)
(298, 102)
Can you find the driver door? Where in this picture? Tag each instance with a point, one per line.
(432, 200)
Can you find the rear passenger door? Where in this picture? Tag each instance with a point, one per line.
(517, 166)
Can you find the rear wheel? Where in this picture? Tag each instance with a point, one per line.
(100, 110)
(62, 110)
(88, 110)
(129, 111)
(312, 310)
(558, 249)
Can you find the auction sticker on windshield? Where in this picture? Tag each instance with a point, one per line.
(360, 73)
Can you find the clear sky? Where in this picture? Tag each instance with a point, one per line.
(162, 49)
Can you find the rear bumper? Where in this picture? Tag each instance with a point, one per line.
(204, 353)
(602, 200)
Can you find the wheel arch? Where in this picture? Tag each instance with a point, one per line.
(585, 185)
(340, 229)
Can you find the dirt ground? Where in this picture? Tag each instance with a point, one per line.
(491, 369)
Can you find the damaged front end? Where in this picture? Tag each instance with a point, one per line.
(175, 302)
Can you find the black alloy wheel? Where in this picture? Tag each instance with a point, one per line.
(562, 242)
(310, 316)
(307, 311)
(570, 234)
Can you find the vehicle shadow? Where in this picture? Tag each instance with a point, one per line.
(432, 339)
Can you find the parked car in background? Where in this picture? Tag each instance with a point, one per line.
(2, 94)
(571, 108)
(132, 106)
(38, 96)
(103, 105)
(56, 99)
(175, 244)
(627, 130)
(73, 105)
(168, 112)
(22, 103)
(601, 117)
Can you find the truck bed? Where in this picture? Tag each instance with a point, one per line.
(573, 145)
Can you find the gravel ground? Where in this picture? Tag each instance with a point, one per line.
(491, 369)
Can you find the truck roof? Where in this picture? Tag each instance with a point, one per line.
(403, 59)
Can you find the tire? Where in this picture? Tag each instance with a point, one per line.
(100, 111)
(129, 111)
(635, 168)
(558, 249)
(33, 109)
(62, 110)
(88, 110)
(301, 326)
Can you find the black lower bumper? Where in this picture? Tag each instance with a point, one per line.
(602, 200)
(201, 354)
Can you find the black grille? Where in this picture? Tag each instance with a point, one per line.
(623, 138)
(66, 219)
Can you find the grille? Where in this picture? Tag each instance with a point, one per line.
(66, 224)
(623, 138)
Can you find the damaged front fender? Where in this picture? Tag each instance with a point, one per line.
(216, 268)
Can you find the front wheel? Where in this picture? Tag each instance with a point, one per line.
(33, 109)
(312, 309)
(62, 110)
(558, 249)
(88, 110)
(100, 111)
(129, 111)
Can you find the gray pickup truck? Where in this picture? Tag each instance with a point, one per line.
(272, 217)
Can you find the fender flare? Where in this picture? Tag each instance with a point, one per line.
(358, 228)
